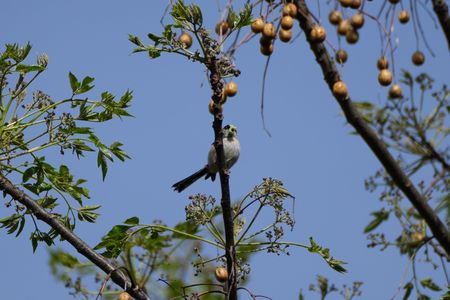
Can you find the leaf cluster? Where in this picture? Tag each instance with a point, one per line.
(32, 126)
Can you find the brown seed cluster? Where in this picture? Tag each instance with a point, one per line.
(349, 27)
(269, 32)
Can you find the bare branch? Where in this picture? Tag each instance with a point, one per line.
(41, 214)
(441, 10)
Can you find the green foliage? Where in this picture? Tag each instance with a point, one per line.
(429, 284)
(80, 87)
(408, 289)
(13, 223)
(415, 128)
(114, 241)
(324, 288)
(60, 179)
(31, 127)
(186, 16)
(189, 18)
(380, 217)
(335, 264)
(237, 21)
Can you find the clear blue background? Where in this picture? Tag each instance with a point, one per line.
(311, 149)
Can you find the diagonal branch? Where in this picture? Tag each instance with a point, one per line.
(441, 10)
(117, 276)
(331, 75)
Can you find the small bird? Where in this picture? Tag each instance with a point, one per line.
(231, 149)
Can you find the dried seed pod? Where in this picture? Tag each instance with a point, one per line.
(257, 25)
(287, 22)
(395, 92)
(285, 35)
(266, 50)
(221, 274)
(340, 89)
(264, 41)
(222, 28)
(385, 77)
(382, 63)
(357, 21)
(352, 36)
(418, 58)
(231, 89)
(186, 39)
(335, 17)
(346, 3)
(403, 16)
(124, 296)
(269, 31)
(318, 34)
(356, 4)
(290, 9)
(343, 27)
(341, 56)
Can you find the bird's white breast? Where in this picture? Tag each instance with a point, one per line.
(231, 149)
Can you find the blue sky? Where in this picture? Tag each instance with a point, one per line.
(310, 150)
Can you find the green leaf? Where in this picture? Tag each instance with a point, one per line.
(101, 162)
(85, 85)
(408, 289)
(135, 40)
(39, 236)
(29, 173)
(74, 83)
(34, 242)
(86, 213)
(168, 33)
(48, 202)
(12, 223)
(187, 16)
(428, 283)
(114, 241)
(380, 217)
(153, 52)
(187, 227)
(140, 49)
(446, 296)
(64, 258)
(29, 68)
(245, 16)
(132, 221)
(155, 38)
(407, 78)
(335, 264)
(118, 152)
(232, 18)
(22, 224)
(363, 105)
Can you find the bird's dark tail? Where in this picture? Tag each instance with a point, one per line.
(183, 184)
